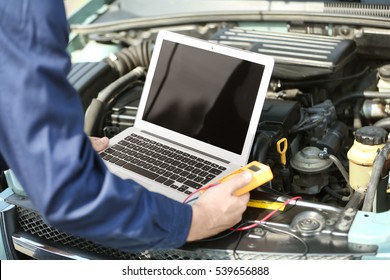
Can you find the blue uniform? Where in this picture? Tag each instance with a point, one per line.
(42, 141)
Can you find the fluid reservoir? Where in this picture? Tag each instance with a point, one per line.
(384, 78)
(368, 141)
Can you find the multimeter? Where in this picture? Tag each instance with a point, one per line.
(261, 174)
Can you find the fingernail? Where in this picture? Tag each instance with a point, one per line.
(247, 175)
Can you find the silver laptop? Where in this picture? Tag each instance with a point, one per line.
(197, 117)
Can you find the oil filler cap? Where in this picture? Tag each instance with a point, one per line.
(371, 135)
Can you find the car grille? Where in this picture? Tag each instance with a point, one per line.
(31, 222)
(375, 10)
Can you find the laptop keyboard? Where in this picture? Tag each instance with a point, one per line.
(164, 164)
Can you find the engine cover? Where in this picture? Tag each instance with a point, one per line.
(297, 56)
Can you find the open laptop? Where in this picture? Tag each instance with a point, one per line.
(200, 107)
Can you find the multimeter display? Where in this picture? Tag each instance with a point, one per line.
(261, 174)
(254, 168)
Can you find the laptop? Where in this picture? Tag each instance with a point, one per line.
(197, 116)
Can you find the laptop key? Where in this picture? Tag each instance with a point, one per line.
(154, 169)
(191, 176)
(148, 166)
(160, 171)
(107, 157)
(160, 179)
(181, 179)
(140, 171)
(182, 188)
(113, 159)
(192, 184)
(177, 171)
(207, 179)
(215, 171)
(174, 177)
(206, 168)
(168, 182)
(122, 156)
(120, 162)
(198, 179)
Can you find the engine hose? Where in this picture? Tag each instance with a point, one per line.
(120, 84)
(377, 168)
(355, 201)
(343, 172)
(96, 109)
(340, 166)
(323, 155)
(334, 193)
(127, 59)
(261, 146)
(357, 120)
(384, 123)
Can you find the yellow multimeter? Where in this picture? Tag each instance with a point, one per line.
(261, 174)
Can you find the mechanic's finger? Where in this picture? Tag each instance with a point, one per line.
(238, 181)
(99, 144)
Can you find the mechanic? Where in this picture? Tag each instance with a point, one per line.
(43, 142)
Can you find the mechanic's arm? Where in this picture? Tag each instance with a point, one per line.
(42, 141)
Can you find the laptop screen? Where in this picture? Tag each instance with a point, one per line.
(204, 95)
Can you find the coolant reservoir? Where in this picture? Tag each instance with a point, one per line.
(368, 141)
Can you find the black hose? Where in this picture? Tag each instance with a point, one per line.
(261, 145)
(130, 63)
(120, 84)
(376, 174)
(98, 105)
(127, 59)
(384, 123)
(357, 120)
(348, 97)
(335, 194)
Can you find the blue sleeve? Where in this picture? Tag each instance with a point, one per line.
(42, 141)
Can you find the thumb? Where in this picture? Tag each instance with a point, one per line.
(99, 144)
(238, 181)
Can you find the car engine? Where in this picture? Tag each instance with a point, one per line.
(323, 89)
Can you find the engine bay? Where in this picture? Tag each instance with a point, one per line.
(322, 90)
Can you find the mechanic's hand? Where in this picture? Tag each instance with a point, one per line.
(99, 144)
(218, 208)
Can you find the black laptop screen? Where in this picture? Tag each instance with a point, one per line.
(203, 95)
